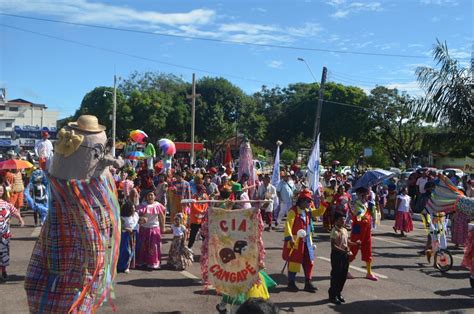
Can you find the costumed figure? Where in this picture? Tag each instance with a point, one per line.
(468, 260)
(447, 198)
(246, 171)
(150, 152)
(221, 254)
(74, 261)
(298, 249)
(36, 194)
(179, 255)
(362, 231)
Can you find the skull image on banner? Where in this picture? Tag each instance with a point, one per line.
(232, 250)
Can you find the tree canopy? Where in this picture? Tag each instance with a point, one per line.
(395, 125)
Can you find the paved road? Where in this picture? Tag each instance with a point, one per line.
(407, 284)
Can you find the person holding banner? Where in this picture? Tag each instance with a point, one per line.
(299, 251)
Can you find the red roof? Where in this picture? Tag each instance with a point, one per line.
(186, 147)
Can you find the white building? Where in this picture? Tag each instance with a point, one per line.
(21, 115)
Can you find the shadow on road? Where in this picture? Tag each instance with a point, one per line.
(15, 278)
(405, 305)
(462, 291)
(289, 307)
(24, 238)
(159, 282)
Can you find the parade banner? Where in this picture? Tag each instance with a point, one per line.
(233, 249)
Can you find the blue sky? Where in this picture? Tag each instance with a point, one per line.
(59, 74)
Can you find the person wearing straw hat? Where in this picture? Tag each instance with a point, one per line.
(300, 251)
(77, 243)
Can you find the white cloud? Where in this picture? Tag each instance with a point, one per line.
(94, 12)
(459, 53)
(440, 2)
(275, 64)
(344, 8)
(412, 88)
(260, 10)
(200, 22)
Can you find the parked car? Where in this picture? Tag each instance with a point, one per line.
(453, 171)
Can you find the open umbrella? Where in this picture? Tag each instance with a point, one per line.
(15, 164)
(373, 177)
(138, 136)
(167, 146)
(136, 155)
(336, 162)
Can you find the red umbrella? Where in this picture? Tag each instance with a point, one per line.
(335, 162)
(228, 160)
(15, 164)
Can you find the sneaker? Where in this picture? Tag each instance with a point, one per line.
(371, 277)
(4, 275)
(349, 276)
(341, 298)
(292, 287)
(127, 271)
(221, 309)
(335, 301)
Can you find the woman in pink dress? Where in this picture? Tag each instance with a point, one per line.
(152, 219)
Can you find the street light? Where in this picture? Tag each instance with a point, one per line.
(320, 100)
(309, 68)
(114, 111)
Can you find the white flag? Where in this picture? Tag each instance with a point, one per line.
(313, 168)
(276, 168)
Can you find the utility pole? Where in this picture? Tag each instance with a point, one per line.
(317, 121)
(114, 115)
(193, 116)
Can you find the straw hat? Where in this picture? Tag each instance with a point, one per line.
(87, 123)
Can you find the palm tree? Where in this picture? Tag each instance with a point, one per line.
(449, 98)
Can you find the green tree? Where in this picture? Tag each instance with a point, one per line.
(449, 99)
(396, 127)
(223, 109)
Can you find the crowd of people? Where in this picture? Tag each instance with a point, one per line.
(151, 194)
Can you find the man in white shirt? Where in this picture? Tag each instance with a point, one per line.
(285, 190)
(44, 150)
(420, 183)
(267, 191)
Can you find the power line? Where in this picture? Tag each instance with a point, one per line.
(137, 56)
(367, 81)
(214, 39)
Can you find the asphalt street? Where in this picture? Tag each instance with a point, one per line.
(407, 282)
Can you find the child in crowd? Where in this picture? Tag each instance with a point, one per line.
(129, 219)
(179, 256)
(198, 210)
(383, 195)
(339, 258)
(403, 220)
(6, 211)
(152, 223)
